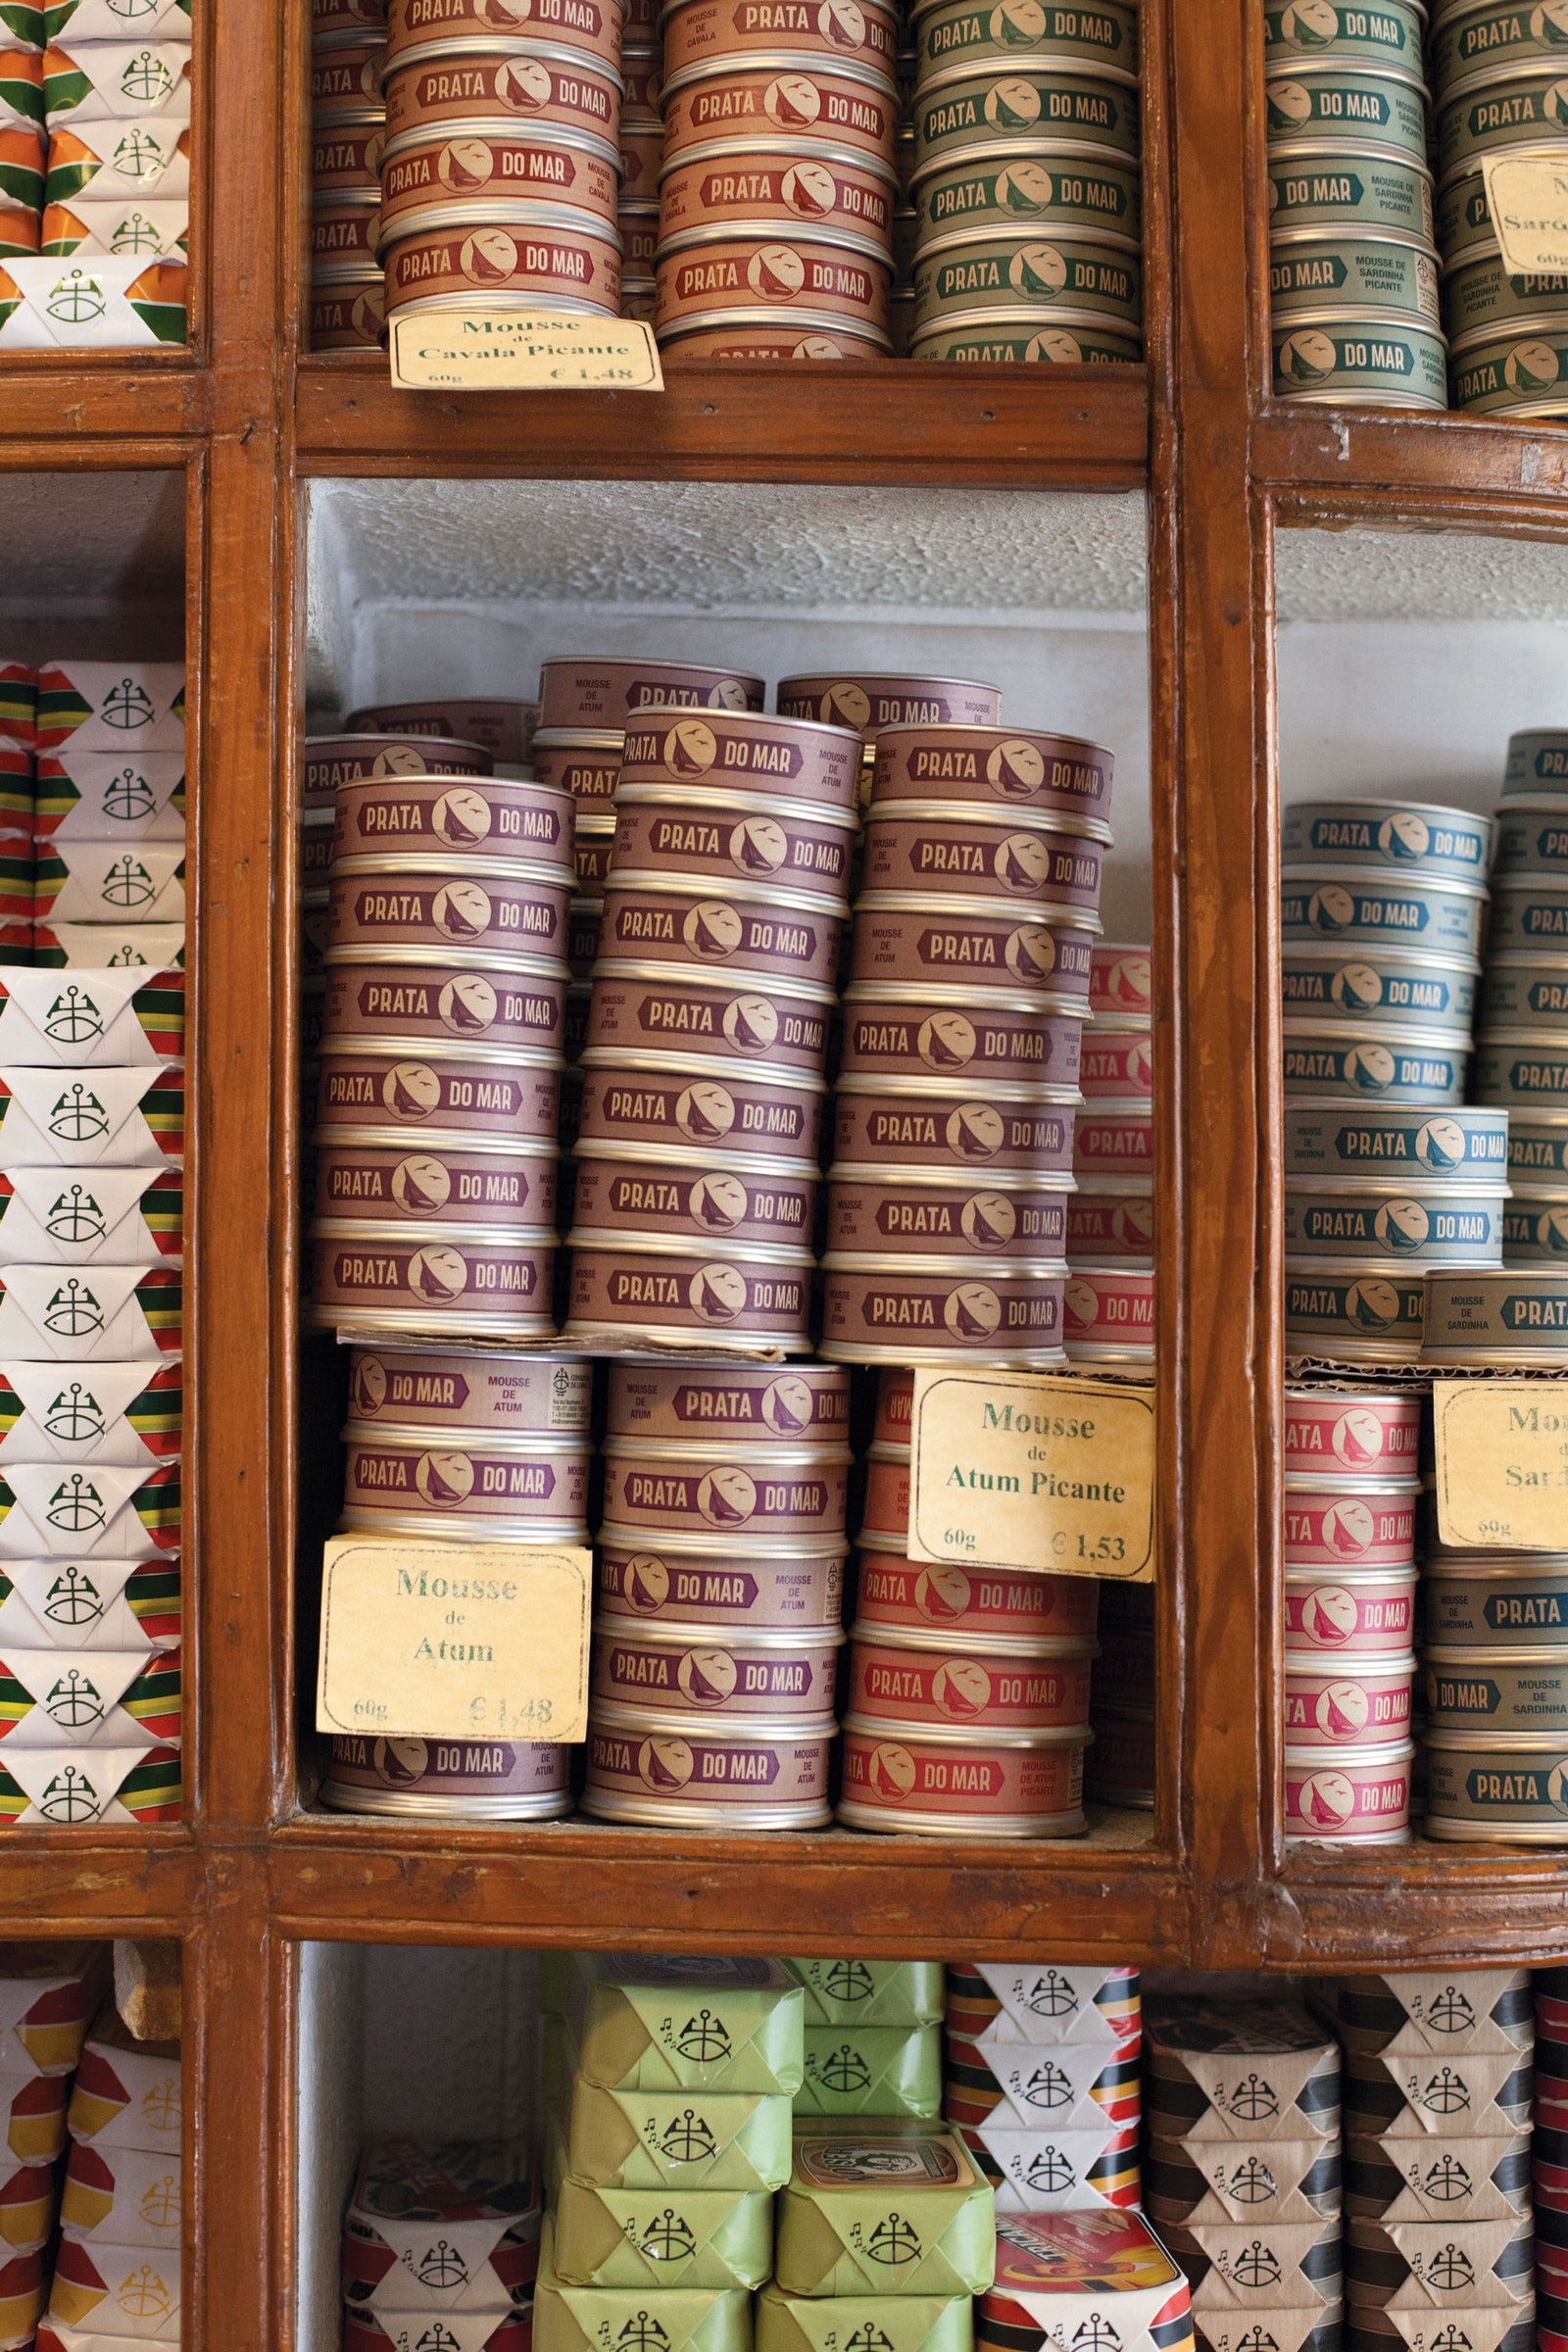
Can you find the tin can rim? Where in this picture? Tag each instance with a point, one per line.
(1442, 1654)
(1484, 256)
(318, 744)
(803, 680)
(674, 1066)
(1385, 399)
(491, 126)
(1036, 233)
(792, 321)
(702, 797)
(1372, 1755)
(663, 1631)
(1348, 315)
(1109, 1188)
(933, 1735)
(529, 1241)
(508, 298)
(881, 8)
(1475, 1744)
(1532, 322)
(508, 1441)
(357, 1519)
(470, 46)
(580, 739)
(1011, 1360)
(1307, 1482)
(1288, 150)
(400, 1049)
(1352, 1669)
(470, 870)
(1024, 61)
(1534, 800)
(805, 992)
(929, 1269)
(815, 151)
(524, 215)
(985, 813)
(1355, 804)
(882, 1082)
(1021, 914)
(1486, 1567)
(344, 199)
(967, 1180)
(718, 886)
(1073, 1009)
(659, 1245)
(905, 1821)
(1550, 1038)
(535, 1147)
(1044, 1645)
(344, 1797)
(769, 61)
(954, 1641)
(755, 1730)
(1523, 69)
(1404, 1572)
(619, 1444)
(1446, 1191)
(1305, 234)
(1278, 69)
(1044, 315)
(1456, 1042)
(1021, 149)
(775, 232)
(702, 886)
(1318, 949)
(995, 727)
(669, 1155)
(721, 673)
(1396, 1269)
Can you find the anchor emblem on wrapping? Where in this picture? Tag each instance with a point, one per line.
(128, 884)
(146, 79)
(1050, 2086)
(703, 2038)
(1451, 2012)
(1050, 2171)
(1447, 2181)
(160, 2104)
(160, 2204)
(640, 2333)
(73, 1311)
(75, 1700)
(135, 234)
(1254, 2100)
(75, 1414)
(669, 2238)
(127, 706)
(1447, 2093)
(847, 1980)
(69, 1797)
(75, 1217)
(128, 795)
(138, 157)
(868, 2337)
(1257, 2264)
(846, 2070)
(687, 2139)
(442, 2266)
(1052, 1996)
(76, 1505)
(76, 298)
(78, 1115)
(73, 1017)
(1254, 2183)
(74, 1598)
(1451, 2269)
(894, 2240)
(1096, 2335)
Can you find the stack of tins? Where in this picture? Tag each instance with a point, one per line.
(1082, 2279)
(870, 700)
(1119, 1769)
(441, 2246)
(92, 1084)
(1522, 1053)
(1241, 2166)
(1042, 2081)
(1438, 2232)
(720, 1578)
(1497, 81)
(502, 170)
(480, 1446)
(500, 725)
(348, 132)
(642, 155)
(968, 1690)
(1377, 1199)
(964, 1021)
(51, 1992)
(703, 1069)
(1496, 1674)
(1353, 270)
(445, 1004)
(775, 204)
(1549, 2158)
(1028, 231)
(1351, 1489)
(118, 2266)
(1109, 1303)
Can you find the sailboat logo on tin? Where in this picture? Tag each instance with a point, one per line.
(410, 1091)
(691, 748)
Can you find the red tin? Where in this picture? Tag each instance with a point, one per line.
(992, 1691)
(974, 1786)
(1329, 1524)
(1355, 1613)
(1360, 1796)
(971, 1608)
(1348, 1702)
(1109, 1312)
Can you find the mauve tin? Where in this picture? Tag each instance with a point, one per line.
(1108, 1222)
(648, 1113)
(528, 1780)
(898, 1032)
(942, 1219)
(921, 1688)
(1119, 1143)
(450, 1388)
(704, 1499)
(882, 1309)
(895, 1408)
(373, 1094)
(697, 30)
(330, 760)
(870, 700)
(891, 1124)
(315, 849)
(345, 77)
(794, 273)
(449, 1280)
(586, 765)
(605, 692)
(781, 181)
(563, 258)
(1353, 1613)
(1348, 1702)
(469, 82)
(885, 1512)
(951, 950)
(405, 994)
(1360, 1796)
(401, 906)
(774, 932)
(1108, 1313)
(1122, 984)
(747, 341)
(669, 1293)
(590, 25)
(762, 1592)
(748, 752)
(986, 1609)
(505, 726)
(1123, 1761)
(519, 1488)
(1119, 1065)
(647, 1012)
(689, 1404)
(730, 1677)
(617, 1199)
(774, 96)
(961, 763)
(461, 1188)
(982, 851)
(1329, 1524)
(974, 1785)
(725, 837)
(1330, 1433)
(593, 850)
(689, 1772)
(483, 820)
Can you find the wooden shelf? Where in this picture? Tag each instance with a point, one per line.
(112, 413)
(107, 1882)
(1460, 467)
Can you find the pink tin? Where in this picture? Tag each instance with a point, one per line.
(970, 1786)
(870, 700)
(890, 1124)
(746, 752)
(1123, 1761)
(401, 995)
(380, 1092)
(895, 1408)
(527, 1779)
(877, 1310)
(841, 106)
(1108, 1313)
(477, 820)
(993, 1690)
(933, 1219)
(917, 942)
(367, 1278)
(503, 725)
(947, 1607)
(898, 1032)
(587, 691)
(1360, 1796)
(1346, 1703)
(585, 764)
(1332, 1525)
(416, 1184)
(331, 761)
(780, 182)
(497, 913)
(448, 1388)
(809, 1407)
(688, 1772)
(726, 1676)
(315, 849)
(1114, 1143)
(522, 1489)
(1119, 1065)
(725, 838)
(1122, 984)
(983, 853)
(592, 26)
(1108, 1224)
(760, 1589)
(775, 933)
(1357, 1613)
(615, 1198)
(885, 1514)
(1060, 772)
(649, 1011)
(651, 1113)
(1374, 1434)
(696, 30)
(702, 1500)
(670, 1294)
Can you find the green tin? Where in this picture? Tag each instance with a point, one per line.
(1464, 219)
(1298, 32)
(1525, 110)
(1523, 373)
(1391, 275)
(982, 270)
(1351, 105)
(1023, 338)
(1383, 363)
(1324, 187)
(1480, 298)
(969, 108)
(1480, 43)
(1018, 186)
(1366, 1313)
(955, 32)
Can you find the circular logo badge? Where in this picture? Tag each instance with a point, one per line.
(462, 911)
(645, 1583)
(989, 1220)
(1022, 862)
(422, 1186)
(890, 1771)
(444, 1481)
(707, 1676)
(960, 1688)
(690, 748)
(751, 1024)
(1341, 1711)
(719, 1201)
(787, 1406)
(1405, 838)
(411, 1089)
(1403, 1227)
(718, 1294)
(792, 102)
(945, 1041)
(523, 89)
(942, 1594)
(758, 845)
(1439, 1143)
(437, 1275)
(776, 272)
(1348, 1529)
(1012, 103)
(1327, 1800)
(1372, 1306)
(972, 1311)
(810, 190)
(465, 165)
(1308, 357)
(397, 1762)
(665, 1765)
(974, 1131)
(1015, 769)
(1030, 955)
(487, 256)
(1357, 1438)
(467, 1004)
(713, 930)
(705, 1111)
(1330, 1616)
(369, 1384)
(1037, 272)
(461, 817)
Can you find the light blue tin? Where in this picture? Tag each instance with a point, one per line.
(1373, 909)
(1538, 761)
(1481, 1598)
(1358, 1314)
(1376, 989)
(1520, 990)
(1514, 1065)
(1444, 1227)
(1416, 1071)
(1519, 1316)
(1535, 1233)
(1416, 837)
(1528, 911)
(1386, 34)
(1423, 1146)
(1532, 835)
(1538, 1150)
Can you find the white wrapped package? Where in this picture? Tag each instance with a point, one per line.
(131, 1019)
(91, 1604)
(128, 795)
(127, 2092)
(155, 230)
(89, 1216)
(112, 20)
(56, 1701)
(109, 947)
(146, 158)
(69, 1786)
(110, 882)
(127, 2196)
(107, 301)
(114, 2291)
(52, 1119)
(111, 706)
(105, 1513)
(127, 1413)
(112, 81)
(98, 1314)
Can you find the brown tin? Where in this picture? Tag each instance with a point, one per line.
(346, 78)
(971, 1784)
(810, 1405)
(634, 1110)
(625, 1198)
(648, 1012)
(775, 932)
(451, 1279)
(642, 150)
(931, 1218)
(982, 853)
(453, 1779)
(697, 31)
(898, 1032)
(1108, 1313)
(919, 942)
(895, 1408)
(704, 1498)
(591, 26)
(514, 81)
(1107, 1220)
(1122, 1763)
(348, 315)
(588, 691)
(726, 1677)
(756, 1590)
(732, 266)
(346, 159)
(788, 760)
(642, 78)
(948, 1606)
(891, 1311)
(518, 1489)
(670, 1294)
(493, 169)
(870, 700)
(779, 96)
(737, 340)
(436, 1181)
(557, 256)
(1119, 1065)
(1114, 1143)
(889, 1483)
(315, 849)
(504, 725)
(348, 758)
(779, 180)
(687, 1772)
(377, 1094)
(499, 912)
(638, 226)
(1122, 984)
(428, 1389)
(345, 237)
(593, 847)
(1047, 1689)
(1059, 772)
(585, 762)
(890, 1124)
(484, 820)
(406, 995)
(723, 838)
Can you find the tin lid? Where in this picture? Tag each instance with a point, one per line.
(510, 1442)
(1332, 233)
(580, 739)
(739, 1730)
(701, 797)
(1018, 914)
(953, 1092)
(1033, 145)
(1548, 323)
(845, 158)
(770, 62)
(710, 886)
(1454, 1042)
(1333, 1573)
(919, 1269)
(795, 322)
(440, 1050)
(1372, 1759)
(1334, 155)
(1056, 232)
(697, 1450)
(935, 1735)
(1337, 951)
(1483, 1743)
(1448, 1191)
(1034, 1003)
(901, 1179)
(541, 134)
(1328, 1482)
(1297, 69)
(927, 1637)
(445, 958)
(468, 49)
(667, 975)
(329, 745)
(1043, 60)
(1348, 1669)
(700, 1249)
(1494, 1567)
(618, 1058)
(1440, 1654)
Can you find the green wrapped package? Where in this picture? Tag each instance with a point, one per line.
(883, 2206)
(870, 1992)
(830, 2323)
(585, 2319)
(871, 2069)
(691, 2139)
(666, 2236)
(658, 2022)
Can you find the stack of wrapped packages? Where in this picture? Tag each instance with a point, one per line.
(118, 2266)
(49, 1994)
(440, 2246)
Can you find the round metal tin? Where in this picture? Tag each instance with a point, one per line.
(1361, 1314)
(1482, 298)
(972, 852)
(460, 1187)
(1323, 185)
(1372, 910)
(1346, 1703)
(466, 81)
(1529, 916)
(1332, 357)
(1359, 1796)
(1297, 33)
(1121, 1766)
(793, 760)
(966, 273)
(348, 316)
(454, 1778)
(686, 1404)
(647, 1011)
(584, 761)
(759, 1592)
(633, 1111)
(379, 1094)
(920, 942)
(1524, 1066)
(1523, 373)
(1464, 223)
(877, 1309)
(503, 725)
(898, 1032)
(703, 1499)
(1538, 761)
(895, 1408)
(779, 933)
(379, 905)
(1480, 1602)
(780, 96)
(624, 1198)
(333, 760)
(967, 1609)
(491, 168)
(674, 1772)
(1117, 1065)
(404, 995)
(1332, 1522)
(346, 158)
(731, 837)
(1346, 1437)
(885, 1515)
(729, 1678)
(1484, 43)
(345, 236)
(520, 1488)
(458, 1388)
(1493, 112)
(1419, 1146)
(1124, 1673)
(699, 32)
(889, 1125)
(446, 1279)
(1419, 839)
(1538, 1151)
(642, 153)
(1506, 1791)
(1392, 275)
(918, 1687)
(991, 764)
(1356, 106)
(1533, 834)
(1021, 338)
(1122, 984)
(739, 341)
(1519, 1316)
(962, 1785)
(924, 1218)
(1106, 1223)
(346, 77)
(751, 267)
(966, 108)
(951, 32)
(552, 256)
(592, 27)
(1388, 1066)
(1444, 1227)
(1108, 1315)
(669, 1293)
(1535, 1233)
(1033, 184)
(1496, 1689)
(1524, 990)
(592, 847)
(1117, 1142)
(867, 701)
(1349, 1612)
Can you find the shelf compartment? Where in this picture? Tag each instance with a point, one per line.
(1453, 461)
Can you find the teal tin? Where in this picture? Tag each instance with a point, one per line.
(1519, 1316)
(1390, 275)
(1464, 219)
(955, 32)
(1033, 187)
(1302, 32)
(1476, 1600)
(1538, 761)
(1377, 911)
(1427, 1147)
(1023, 337)
(1472, 45)
(1528, 109)
(1323, 186)
(968, 108)
(981, 270)
(1339, 356)
(1480, 298)
(1441, 1227)
(1376, 988)
(1354, 106)
(1356, 1314)
(1513, 1690)
(1535, 1233)
(1533, 834)
(1418, 838)
(1330, 1065)
(1528, 912)
(1524, 1067)
(1521, 990)
(1523, 373)
(1538, 1151)
(1482, 1785)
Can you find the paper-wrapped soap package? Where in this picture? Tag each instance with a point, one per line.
(870, 1992)
(658, 2022)
(879, 2206)
(651, 2238)
(871, 2069)
(889, 2322)
(585, 2319)
(1482, 2014)
(689, 2140)
(1218, 2070)
(482, 2196)
(1083, 2279)
(991, 2001)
